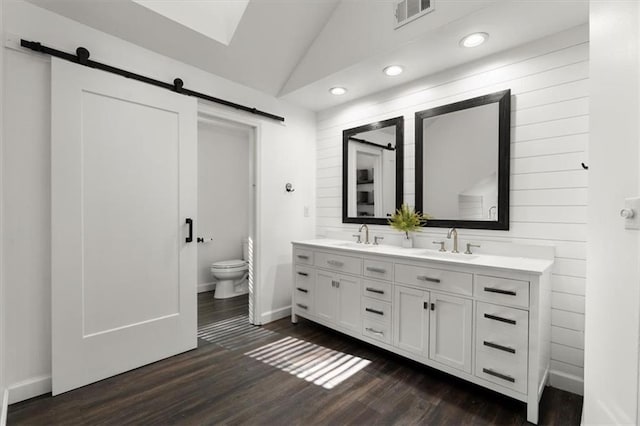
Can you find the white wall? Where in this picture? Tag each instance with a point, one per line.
(286, 154)
(223, 195)
(613, 275)
(550, 117)
(2, 381)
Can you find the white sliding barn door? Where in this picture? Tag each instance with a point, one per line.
(124, 180)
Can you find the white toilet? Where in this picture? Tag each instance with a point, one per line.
(231, 275)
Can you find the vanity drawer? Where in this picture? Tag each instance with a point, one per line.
(376, 310)
(502, 369)
(502, 290)
(502, 345)
(304, 277)
(508, 325)
(440, 279)
(378, 269)
(338, 262)
(303, 305)
(376, 330)
(301, 294)
(303, 256)
(377, 289)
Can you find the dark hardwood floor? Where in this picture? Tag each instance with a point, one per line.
(212, 310)
(284, 374)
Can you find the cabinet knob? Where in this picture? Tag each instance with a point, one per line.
(627, 213)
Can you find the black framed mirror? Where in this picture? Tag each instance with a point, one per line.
(372, 171)
(462, 162)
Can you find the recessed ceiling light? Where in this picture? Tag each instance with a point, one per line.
(473, 40)
(338, 91)
(392, 70)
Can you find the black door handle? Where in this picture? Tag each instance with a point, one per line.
(189, 222)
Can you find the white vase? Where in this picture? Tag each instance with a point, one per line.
(407, 242)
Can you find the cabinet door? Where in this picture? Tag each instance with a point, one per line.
(410, 319)
(326, 296)
(450, 331)
(349, 313)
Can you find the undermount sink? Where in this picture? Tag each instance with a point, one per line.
(460, 257)
(422, 252)
(409, 251)
(351, 244)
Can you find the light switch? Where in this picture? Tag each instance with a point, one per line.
(306, 211)
(631, 213)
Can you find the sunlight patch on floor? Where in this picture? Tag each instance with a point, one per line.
(233, 333)
(316, 364)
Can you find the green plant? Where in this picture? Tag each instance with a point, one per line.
(407, 220)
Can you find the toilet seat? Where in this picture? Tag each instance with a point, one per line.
(229, 264)
(231, 277)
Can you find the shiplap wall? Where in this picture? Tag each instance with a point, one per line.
(550, 107)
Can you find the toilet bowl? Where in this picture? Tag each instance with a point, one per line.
(231, 276)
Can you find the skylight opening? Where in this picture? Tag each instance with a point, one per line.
(217, 20)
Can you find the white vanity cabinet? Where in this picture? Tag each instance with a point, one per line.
(485, 319)
(450, 332)
(434, 325)
(450, 317)
(411, 320)
(338, 299)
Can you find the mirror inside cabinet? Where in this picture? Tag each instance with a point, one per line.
(372, 171)
(462, 163)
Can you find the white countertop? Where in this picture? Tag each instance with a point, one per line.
(515, 264)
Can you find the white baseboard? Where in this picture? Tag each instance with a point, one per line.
(206, 287)
(566, 382)
(4, 407)
(275, 315)
(30, 388)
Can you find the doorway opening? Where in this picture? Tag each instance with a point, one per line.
(226, 228)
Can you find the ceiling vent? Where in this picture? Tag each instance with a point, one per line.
(409, 10)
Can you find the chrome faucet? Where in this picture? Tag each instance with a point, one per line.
(366, 235)
(453, 232)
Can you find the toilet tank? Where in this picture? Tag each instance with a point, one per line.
(245, 249)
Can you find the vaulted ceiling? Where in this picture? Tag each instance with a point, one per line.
(298, 49)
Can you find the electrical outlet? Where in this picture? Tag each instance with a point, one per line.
(631, 213)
